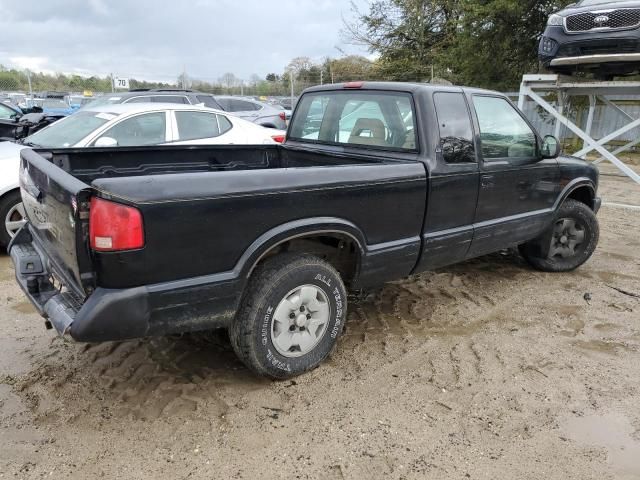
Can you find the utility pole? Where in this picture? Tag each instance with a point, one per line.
(242, 88)
(112, 86)
(29, 80)
(432, 73)
(321, 76)
(291, 82)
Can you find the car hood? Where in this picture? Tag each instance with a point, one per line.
(596, 8)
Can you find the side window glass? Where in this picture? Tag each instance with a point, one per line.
(194, 125)
(503, 132)
(242, 106)
(170, 99)
(208, 101)
(224, 124)
(146, 129)
(454, 123)
(138, 100)
(224, 103)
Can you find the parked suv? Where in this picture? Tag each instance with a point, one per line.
(593, 35)
(251, 110)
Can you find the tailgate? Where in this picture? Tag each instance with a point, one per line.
(56, 204)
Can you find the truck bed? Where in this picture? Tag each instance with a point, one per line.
(209, 215)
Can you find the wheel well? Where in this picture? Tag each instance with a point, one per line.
(9, 192)
(584, 195)
(340, 250)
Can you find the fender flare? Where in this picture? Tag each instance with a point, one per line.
(573, 185)
(297, 229)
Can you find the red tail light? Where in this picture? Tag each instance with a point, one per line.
(278, 138)
(354, 85)
(114, 227)
(283, 116)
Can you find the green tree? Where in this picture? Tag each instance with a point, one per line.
(497, 41)
(486, 43)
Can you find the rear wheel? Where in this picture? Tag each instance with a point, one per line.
(568, 243)
(12, 215)
(291, 316)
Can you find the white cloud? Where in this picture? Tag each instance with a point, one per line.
(152, 39)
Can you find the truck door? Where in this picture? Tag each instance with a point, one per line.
(453, 184)
(517, 188)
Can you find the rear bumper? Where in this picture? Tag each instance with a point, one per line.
(118, 314)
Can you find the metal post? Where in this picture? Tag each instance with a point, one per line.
(522, 98)
(561, 100)
(291, 82)
(592, 111)
(113, 89)
(321, 76)
(29, 80)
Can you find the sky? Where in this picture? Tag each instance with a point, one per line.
(156, 40)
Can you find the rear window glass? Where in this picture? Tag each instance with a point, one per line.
(377, 120)
(194, 125)
(208, 101)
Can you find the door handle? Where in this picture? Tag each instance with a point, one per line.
(486, 181)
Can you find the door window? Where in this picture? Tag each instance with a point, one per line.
(194, 125)
(456, 134)
(503, 132)
(146, 129)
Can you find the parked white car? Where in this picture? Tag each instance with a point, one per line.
(134, 124)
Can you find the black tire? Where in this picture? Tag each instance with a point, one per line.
(7, 202)
(251, 331)
(539, 253)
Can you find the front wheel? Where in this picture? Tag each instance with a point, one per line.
(12, 215)
(568, 243)
(291, 316)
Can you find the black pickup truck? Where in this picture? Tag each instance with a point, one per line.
(375, 182)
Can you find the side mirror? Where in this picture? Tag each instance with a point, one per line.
(550, 147)
(106, 142)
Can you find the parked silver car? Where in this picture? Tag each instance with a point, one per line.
(248, 109)
(254, 111)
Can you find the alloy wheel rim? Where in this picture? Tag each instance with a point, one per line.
(568, 235)
(300, 321)
(15, 219)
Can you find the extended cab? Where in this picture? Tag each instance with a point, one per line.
(375, 182)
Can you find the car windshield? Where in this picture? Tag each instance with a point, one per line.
(68, 131)
(105, 100)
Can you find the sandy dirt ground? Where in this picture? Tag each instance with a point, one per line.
(487, 369)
